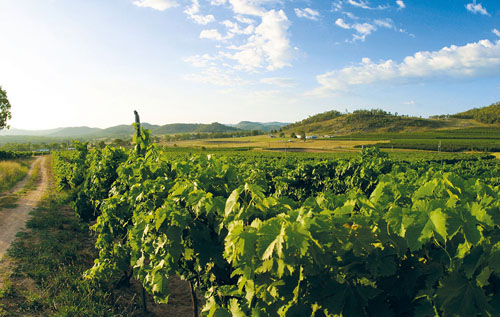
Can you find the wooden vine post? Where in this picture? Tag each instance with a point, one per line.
(138, 151)
(194, 299)
(137, 132)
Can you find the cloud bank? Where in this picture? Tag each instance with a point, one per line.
(255, 38)
(476, 59)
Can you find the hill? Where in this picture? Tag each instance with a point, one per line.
(262, 126)
(119, 131)
(17, 132)
(379, 121)
(488, 115)
(368, 121)
(192, 128)
(74, 132)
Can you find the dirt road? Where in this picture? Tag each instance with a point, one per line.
(12, 220)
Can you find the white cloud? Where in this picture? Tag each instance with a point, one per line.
(269, 46)
(401, 4)
(366, 5)
(476, 8)
(251, 7)
(245, 20)
(362, 29)
(365, 29)
(360, 4)
(211, 34)
(386, 23)
(307, 13)
(496, 32)
(254, 46)
(337, 5)
(234, 28)
(217, 2)
(279, 81)
(193, 11)
(477, 59)
(160, 5)
(409, 103)
(247, 7)
(340, 22)
(351, 16)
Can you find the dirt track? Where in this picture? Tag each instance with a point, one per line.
(13, 220)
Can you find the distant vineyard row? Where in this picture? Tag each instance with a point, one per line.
(446, 145)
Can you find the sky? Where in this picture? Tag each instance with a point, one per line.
(93, 62)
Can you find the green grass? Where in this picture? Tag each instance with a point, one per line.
(10, 201)
(11, 172)
(34, 178)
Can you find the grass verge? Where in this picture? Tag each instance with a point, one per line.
(11, 172)
(10, 200)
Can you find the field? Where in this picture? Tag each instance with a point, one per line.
(268, 143)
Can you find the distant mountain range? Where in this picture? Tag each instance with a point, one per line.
(328, 123)
(124, 130)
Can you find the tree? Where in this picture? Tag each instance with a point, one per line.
(4, 109)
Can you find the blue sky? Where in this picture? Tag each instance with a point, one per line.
(92, 62)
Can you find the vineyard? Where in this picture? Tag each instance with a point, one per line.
(274, 235)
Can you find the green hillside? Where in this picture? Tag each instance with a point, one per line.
(379, 121)
(266, 126)
(192, 128)
(74, 132)
(368, 121)
(488, 115)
